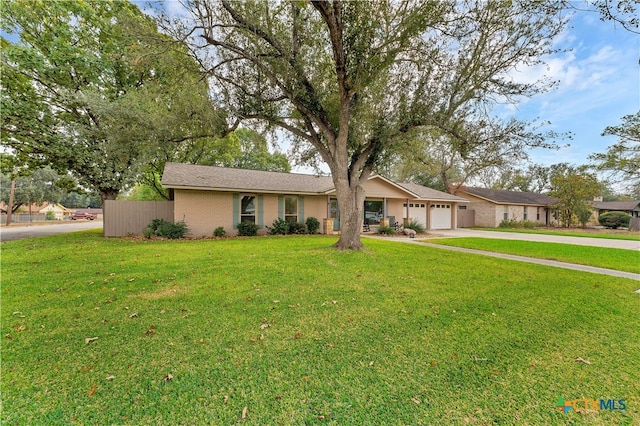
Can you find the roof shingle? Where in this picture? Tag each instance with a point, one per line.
(501, 196)
(177, 175)
(189, 176)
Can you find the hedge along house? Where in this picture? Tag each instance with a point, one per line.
(492, 206)
(207, 197)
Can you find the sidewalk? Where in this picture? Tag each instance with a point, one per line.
(561, 239)
(553, 263)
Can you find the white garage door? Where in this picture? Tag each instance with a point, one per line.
(441, 216)
(418, 211)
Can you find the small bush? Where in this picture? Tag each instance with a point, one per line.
(166, 229)
(219, 232)
(247, 229)
(516, 224)
(50, 215)
(386, 230)
(313, 225)
(280, 227)
(416, 226)
(297, 228)
(614, 220)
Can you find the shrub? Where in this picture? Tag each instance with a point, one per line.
(513, 223)
(247, 229)
(386, 230)
(584, 215)
(313, 225)
(166, 229)
(297, 228)
(416, 226)
(614, 220)
(219, 232)
(50, 215)
(280, 227)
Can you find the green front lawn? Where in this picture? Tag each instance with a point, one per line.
(574, 232)
(288, 331)
(618, 259)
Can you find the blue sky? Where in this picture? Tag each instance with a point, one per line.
(599, 83)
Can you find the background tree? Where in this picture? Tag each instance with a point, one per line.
(350, 80)
(242, 148)
(32, 187)
(622, 159)
(93, 88)
(574, 188)
(436, 161)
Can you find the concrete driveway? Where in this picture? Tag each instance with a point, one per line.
(580, 241)
(20, 231)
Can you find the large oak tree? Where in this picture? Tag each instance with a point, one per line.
(349, 79)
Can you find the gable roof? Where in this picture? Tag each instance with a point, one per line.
(426, 193)
(211, 178)
(189, 176)
(500, 196)
(617, 205)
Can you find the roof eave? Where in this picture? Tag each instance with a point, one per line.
(241, 190)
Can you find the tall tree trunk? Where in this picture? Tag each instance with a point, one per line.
(108, 194)
(351, 203)
(350, 195)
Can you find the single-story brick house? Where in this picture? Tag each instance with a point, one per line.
(630, 207)
(492, 206)
(207, 197)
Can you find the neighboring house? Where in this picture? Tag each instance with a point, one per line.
(630, 207)
(59, 211)
(207, 197)
(492, 206)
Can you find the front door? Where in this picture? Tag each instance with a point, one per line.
(334, 212)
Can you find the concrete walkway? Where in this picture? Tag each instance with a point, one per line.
(579, 241)
(545, 262)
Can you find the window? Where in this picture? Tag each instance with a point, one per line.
(505, 215)
(248, 209)
(422, 206)
(291, 209)
(524, 213)
(538, 214)
(374, 211)
(462, 207)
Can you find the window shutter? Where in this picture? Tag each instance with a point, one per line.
(301, 206)
(260, 212)
(281, 206)
(236, 210)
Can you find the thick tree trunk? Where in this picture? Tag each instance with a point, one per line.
(350, 202)
(108, 194)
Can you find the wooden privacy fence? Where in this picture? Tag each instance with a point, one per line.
(466, 218)
(122, 218)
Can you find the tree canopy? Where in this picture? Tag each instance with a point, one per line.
(623, 157)
(242, 148)
(349, 80)
(93, 88)
(574, 188)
